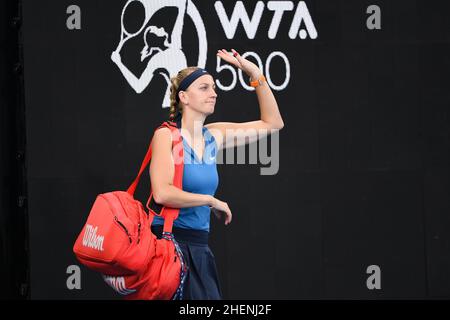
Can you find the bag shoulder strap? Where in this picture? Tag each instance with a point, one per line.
(170, 214)
(176, 137)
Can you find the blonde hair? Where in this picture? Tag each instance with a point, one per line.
(175, 83)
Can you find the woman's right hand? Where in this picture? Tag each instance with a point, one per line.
(220, 208)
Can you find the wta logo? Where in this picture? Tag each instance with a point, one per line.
(167, 57)
(91, 239)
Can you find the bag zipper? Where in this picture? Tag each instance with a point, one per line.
(139, 232)
(123, 227)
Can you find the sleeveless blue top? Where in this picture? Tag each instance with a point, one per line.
(199, 176)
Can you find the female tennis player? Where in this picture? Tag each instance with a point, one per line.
(193, 98)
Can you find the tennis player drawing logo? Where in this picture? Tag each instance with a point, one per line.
(171, 58)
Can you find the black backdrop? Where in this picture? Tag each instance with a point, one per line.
(364, 155)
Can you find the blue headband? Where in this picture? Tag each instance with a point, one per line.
(186, 82)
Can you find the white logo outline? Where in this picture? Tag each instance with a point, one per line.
(171, 59)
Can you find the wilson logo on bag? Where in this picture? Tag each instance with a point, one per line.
(117, 241)
(91, 239)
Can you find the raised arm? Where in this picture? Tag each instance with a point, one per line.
(175, 37)
(233, 134)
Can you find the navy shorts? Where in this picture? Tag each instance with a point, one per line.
(202, 282)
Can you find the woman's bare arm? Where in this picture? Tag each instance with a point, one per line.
(162, 170)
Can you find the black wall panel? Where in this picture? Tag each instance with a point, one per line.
(363, 177)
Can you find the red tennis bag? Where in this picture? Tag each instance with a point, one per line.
(117, 241)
